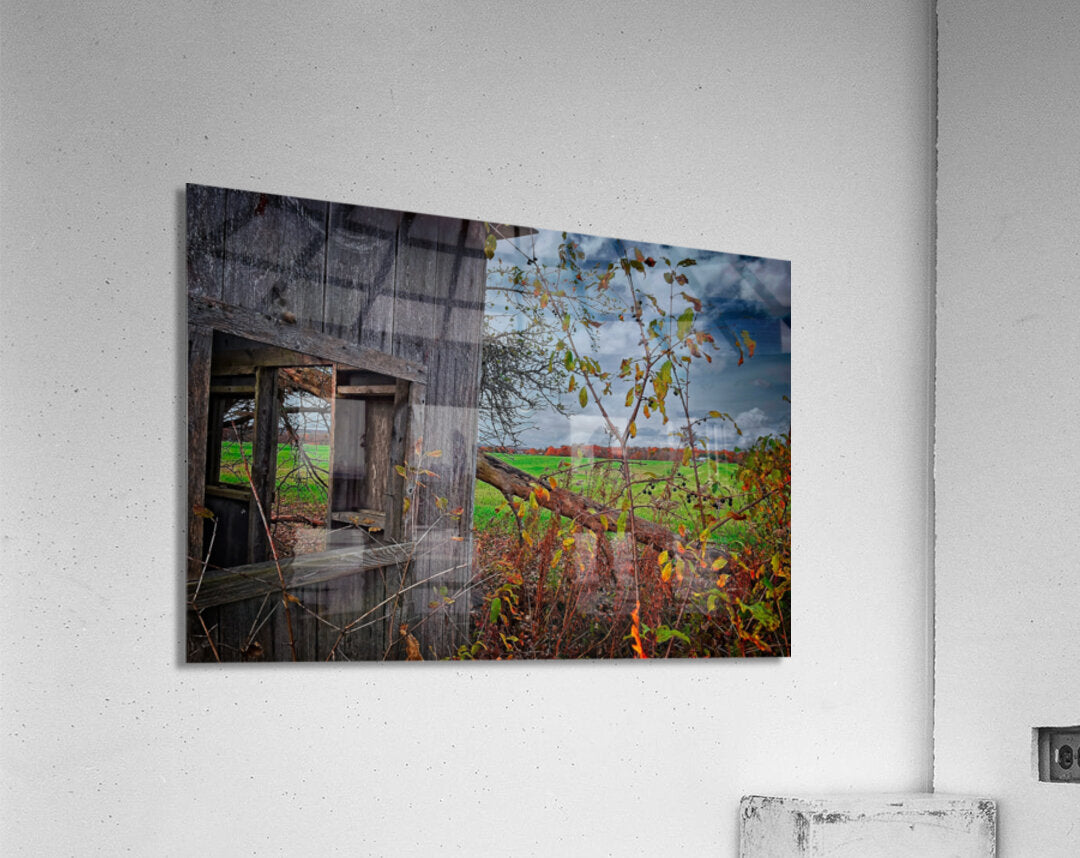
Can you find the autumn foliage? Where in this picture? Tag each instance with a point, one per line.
(580, 571)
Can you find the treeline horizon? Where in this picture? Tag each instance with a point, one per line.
(633, 453)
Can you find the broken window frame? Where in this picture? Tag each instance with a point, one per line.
(286, 344)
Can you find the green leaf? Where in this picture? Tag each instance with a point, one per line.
(568, 359)
(489, 246)
(496, 609)
(760, 612)
(620, 527)
(686, 322)
(664, 634)
(583, 397)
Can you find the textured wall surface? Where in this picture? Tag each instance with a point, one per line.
(1008, 392)
(798, 131)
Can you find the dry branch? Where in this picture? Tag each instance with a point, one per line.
(512, 481)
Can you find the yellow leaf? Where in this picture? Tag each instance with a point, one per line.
(721, 582)
(665, 573)
(528, 539)
(718, 564)
(553, 482)
(662, 558)
(433, 454)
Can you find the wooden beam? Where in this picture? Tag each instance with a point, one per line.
(366, 390)
(244, 361)
(395, 490)
(360, 518)
(199, 344)
(232, 490)
(255, 580)
(239, 389)
(264, 449)
(243, 322)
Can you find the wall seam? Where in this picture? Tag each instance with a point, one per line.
(931, 510)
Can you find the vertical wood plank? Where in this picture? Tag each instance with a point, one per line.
(395, 493)
(263, 460)
(377, 434)
(361, 259)
(219, 405)
(205, 239)
(345, 599)
(275, 255)
(455, 367)
(199, 346)
(440, 297)
(416, 296)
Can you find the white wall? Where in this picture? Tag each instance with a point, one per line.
(799, 131)
(1008, 403)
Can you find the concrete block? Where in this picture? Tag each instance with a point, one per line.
(860, 826)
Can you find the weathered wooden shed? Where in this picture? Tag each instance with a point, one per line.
(391, 305)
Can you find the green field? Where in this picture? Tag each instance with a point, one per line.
(295, 482)
(600, 478)
(596, 478)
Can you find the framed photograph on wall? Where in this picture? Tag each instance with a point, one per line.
(425, 438)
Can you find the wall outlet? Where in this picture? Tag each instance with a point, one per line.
(1059, 754)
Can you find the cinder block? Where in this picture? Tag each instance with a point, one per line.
(868, 826)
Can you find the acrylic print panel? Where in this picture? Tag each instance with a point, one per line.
(426, 438)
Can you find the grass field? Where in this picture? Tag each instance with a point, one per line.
(599, 478)
(596, 478)
(295, 483)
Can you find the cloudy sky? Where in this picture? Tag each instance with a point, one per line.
(738, 293)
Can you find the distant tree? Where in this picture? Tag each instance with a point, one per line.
(517, 379)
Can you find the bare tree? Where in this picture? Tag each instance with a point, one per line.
(518, 377)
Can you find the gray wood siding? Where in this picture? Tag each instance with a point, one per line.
(400, 284)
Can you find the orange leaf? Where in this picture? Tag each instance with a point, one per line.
(635, 631)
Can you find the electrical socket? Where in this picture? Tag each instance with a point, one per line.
(1059, 754)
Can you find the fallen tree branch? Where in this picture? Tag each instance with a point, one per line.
(512, 481)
